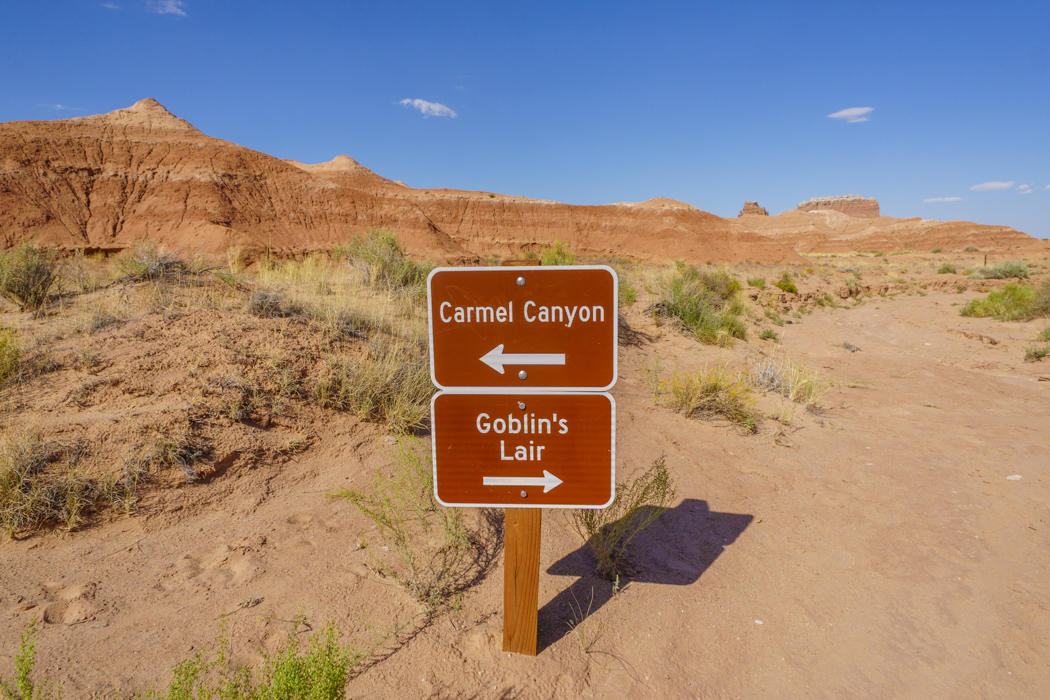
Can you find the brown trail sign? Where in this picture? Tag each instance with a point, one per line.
(552, 450)
(522, 355)
(523, 328)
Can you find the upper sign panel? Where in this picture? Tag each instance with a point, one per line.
(523, 327)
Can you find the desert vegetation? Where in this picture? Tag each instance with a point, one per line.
(435, 556)
(1014, 302)
(707, 304)
(640, 499)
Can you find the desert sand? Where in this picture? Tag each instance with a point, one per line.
(891, 542)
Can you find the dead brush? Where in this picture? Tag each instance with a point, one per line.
(31, 498)
(269, 302)
(146, 261)
(792, 380)
(176, 448)
(434, 555)
(639, 501)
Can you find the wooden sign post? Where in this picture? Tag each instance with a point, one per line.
(522, 422)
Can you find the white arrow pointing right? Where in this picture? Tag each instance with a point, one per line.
(548, 481)
(496, 358)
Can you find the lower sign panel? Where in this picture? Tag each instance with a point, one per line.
(524, 450)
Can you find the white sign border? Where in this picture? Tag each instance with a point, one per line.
(612, 450)
(532, 389)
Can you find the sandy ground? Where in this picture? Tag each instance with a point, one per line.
(874, 549)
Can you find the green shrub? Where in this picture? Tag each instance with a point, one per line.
(381, 262)
(937, 250)
(318, 672)
(1043, 335)
(946, 269)
(1004, 271)
(639, 501)
(1014, 302)
(557, 254)
(971, 249)
(28, 274)
(768, 334)
(759, 282)
(785, 283)
(1035, 354)
(705, 302)
(24, 687)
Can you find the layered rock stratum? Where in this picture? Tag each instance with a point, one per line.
(850, 204)
(753, 208)
(102, 182)
(829, 231)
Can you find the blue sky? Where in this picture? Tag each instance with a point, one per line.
(587, 103)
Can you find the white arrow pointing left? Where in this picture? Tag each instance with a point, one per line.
(548, 481)
(496, 358)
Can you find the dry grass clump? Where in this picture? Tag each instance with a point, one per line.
(709, 394)
(10, 354)
(434, 556)
(380, 262)
(1014, 302)
(707, 303)
(792, 380)
(946, 269)
(639, 500)
(29, 275)
(390, 382)
(41, 483)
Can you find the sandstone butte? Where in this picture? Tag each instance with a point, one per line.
(100, 182)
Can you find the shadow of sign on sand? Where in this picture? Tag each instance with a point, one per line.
(675, 551)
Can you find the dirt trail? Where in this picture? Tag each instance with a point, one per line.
(876, 549)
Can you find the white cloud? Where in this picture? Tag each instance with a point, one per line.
(166, 7)
(63, 108)
(853, 115)
(992, 186)
(1047, 187)
(1026, 192)
(110, 5)
(942, 199)
(429, 109)
(1024, 189)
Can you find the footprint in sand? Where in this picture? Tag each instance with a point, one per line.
(67, 605)
(217, 568)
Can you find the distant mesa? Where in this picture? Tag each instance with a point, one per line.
(850, 205)
(753, 208)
